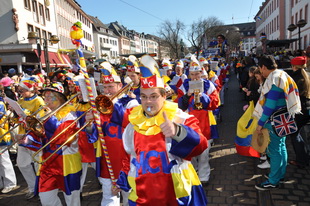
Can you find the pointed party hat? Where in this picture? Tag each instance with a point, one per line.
(150, 74)
(132, 64)
(109, 74)
(194, 65)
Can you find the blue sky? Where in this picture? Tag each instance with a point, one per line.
(146, 16)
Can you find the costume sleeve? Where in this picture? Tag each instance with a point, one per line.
(92, 134)
(53, 127)
(2, 110)
(31, 141)
(118, 114)
(183, 102)
(194, 142)
(205, 100)
(270, 104)
(214, 97)
(122, 180)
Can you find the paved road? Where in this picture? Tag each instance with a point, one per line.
(232, 177)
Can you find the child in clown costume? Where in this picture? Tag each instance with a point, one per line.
(159, 142)
(209, 100)
(63, 170)
(7, 174)
(112, 127)
(204, 64)
(30, 102)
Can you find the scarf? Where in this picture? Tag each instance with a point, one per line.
(282, 80)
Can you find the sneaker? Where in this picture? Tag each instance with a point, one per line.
(264, 165)
(29, 195)
(8, 189)
(266, 186)
(263, 158)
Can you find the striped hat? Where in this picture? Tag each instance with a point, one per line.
(109, 74)
(28, 83)
(150, 75)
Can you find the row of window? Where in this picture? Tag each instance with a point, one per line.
(67, 7)
(274, 4)
(83, 19)
(304, 42)
(40, 13)
(247, 46)
(292, 2)
(272, 26)
(295, 20)
(106, 40)
(87, 36)
(41, 33)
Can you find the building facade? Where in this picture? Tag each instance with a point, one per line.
(106, 42)
(68, 12)
(46, 18)
(274, 18)
(20, 18)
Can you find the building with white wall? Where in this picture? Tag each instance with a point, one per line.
(20, 18)
(67, 13)
(45, 18)
(275, 16)
(105, 41)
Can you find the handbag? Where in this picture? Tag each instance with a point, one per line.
(283, 123)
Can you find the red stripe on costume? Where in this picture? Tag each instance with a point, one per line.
(51, 173)
(247, 151)
(65, 135)
(194, 124)
(125, 118)
(86, 149)
(214, 100)
(151, 155)
(204, 123)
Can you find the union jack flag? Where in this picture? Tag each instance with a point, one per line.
(284, 124)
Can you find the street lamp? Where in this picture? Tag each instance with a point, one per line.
(33, 37)
(301, 23)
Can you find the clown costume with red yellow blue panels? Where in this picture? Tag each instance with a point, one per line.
(157, 168)
(59, 170)
(209, 100)
(156, 160)
(112, 128)
(64, 169)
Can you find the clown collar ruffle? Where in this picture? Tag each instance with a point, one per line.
(151, 126)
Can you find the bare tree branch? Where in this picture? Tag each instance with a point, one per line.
(171, 32)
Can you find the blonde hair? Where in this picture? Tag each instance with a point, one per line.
(306, 92)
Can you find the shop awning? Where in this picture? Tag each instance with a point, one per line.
(280, 43)
(55, 59)
(138, 55)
